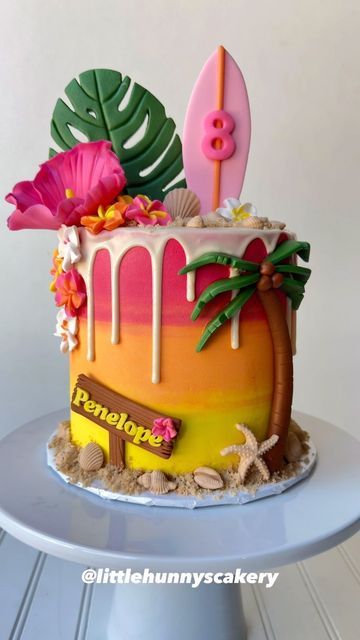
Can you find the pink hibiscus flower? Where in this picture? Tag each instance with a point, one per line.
(164, 427)
(70, 185)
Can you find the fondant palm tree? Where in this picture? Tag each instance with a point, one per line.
(276, 271)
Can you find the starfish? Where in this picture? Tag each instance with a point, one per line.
(250, 453)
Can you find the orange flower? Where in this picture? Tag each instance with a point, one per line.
(56, 269)
(110, 218)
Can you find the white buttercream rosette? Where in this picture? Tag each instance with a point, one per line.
(66, 329)
(69, 246)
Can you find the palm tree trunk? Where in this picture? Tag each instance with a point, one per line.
(283, 377)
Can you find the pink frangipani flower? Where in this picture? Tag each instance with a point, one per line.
(70, 185)
(164, 427)
(70, 292)
(145, 211)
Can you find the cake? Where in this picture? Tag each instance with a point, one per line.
(176, 301)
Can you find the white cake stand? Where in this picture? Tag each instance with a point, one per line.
(39, 509)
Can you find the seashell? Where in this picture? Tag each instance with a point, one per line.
(156, 482)
(182, 203)
(209, 219)
(213, 219)
(293, 448)
(63, 430)
(180, 222)
(252, 222)
(221, 222)
(208, 478)
(276, 224)
(91, 457)
(196, 221)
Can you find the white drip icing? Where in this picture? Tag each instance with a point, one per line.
(190, 286)
(115, 302)
(156, 265)
(194, 242)
(90, 307)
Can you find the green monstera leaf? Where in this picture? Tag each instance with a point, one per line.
(104, 106)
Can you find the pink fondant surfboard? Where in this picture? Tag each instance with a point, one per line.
(217, 132)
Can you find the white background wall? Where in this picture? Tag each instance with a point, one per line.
(301, 62)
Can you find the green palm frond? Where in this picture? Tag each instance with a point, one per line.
(294, 290)
(212, 257)
(292, 285)
(299, 273)
(221, 286)
(287, 249)
(294, 297)
(225, 314)
(244, 284)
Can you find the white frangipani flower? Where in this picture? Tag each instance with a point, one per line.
(234, 210)
(69, 246)
(66, 329)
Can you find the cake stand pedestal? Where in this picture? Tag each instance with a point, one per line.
(38, 508)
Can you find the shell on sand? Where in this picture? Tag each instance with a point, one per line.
(196, 221)
(293, 448)
(156, 482)
(91, 457)
(252, 222)
(276, 224)
(208, 478)
(180, 221)
(213, 219)
(182, 203)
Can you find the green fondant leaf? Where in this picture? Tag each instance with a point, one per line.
(289, 284)
(288, 249)
(295, 297)
(299, 273)
(221, 286)
(142, 136)
(225, 314)
(212, 257)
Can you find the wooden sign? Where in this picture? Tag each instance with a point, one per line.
(124, 419)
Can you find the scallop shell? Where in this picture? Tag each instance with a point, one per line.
(208, 478)
(293, 448)
(91, 457)
(156, 482)
(63, 430)
(252, 222)
(182, 203)
(196, 221)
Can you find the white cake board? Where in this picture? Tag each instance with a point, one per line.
(38, 508)
(213, 499)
